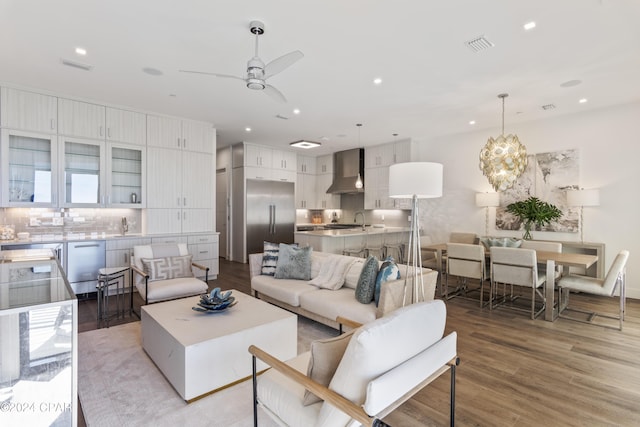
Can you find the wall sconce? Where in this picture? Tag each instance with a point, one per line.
(487, 200)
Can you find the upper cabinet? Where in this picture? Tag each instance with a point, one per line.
(285, 160)
(81, 119)
(257, 156)
(377, 162)
(324, 164)
(23, 110)
(83, 172)
(306, 164)
(126, 175)
(169, 132)
(29, 169)
(126, 126)
(389, 154)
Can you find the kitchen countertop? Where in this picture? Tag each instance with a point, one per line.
(353, 231)
(88, 236)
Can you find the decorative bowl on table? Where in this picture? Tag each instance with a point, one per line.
(215, 301)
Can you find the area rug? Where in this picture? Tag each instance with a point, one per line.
(119, 385)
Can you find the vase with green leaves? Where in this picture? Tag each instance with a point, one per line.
(534, 211)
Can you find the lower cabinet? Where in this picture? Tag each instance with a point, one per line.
(204, 248)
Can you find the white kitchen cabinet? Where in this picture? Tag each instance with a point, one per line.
(197, 180)
(324, 164)
(204, 249)
(30, 111)
(126, 126)
(81, 119)
(164, 178)
(255, 172)
(82, 172)
(376, 188)
(388, 154)
(258, 156)
(305, 191)
(306, 165)
(163, 221)
(324, 200)
(284, 160)
(283, 175)
(126, 176)
(169, 132)
(29, 169)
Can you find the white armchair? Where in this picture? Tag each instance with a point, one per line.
(385, 362)
(163, 272)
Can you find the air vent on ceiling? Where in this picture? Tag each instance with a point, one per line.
(479, 43)
(548, 107)
(280, 116)
(74, 64)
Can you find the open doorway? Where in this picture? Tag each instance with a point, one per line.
(222, 211)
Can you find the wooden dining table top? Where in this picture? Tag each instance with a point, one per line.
(562, 258)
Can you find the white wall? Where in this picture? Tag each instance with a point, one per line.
(609, 145)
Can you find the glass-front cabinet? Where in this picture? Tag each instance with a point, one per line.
(28, 169)
(82, 176)
(38, 341)
(126, 176)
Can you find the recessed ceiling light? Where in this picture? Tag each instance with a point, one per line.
(583, 101)
(472, 122)
(304, 144)
(377, 81)
(152, 71)
(247, 129)
(296, 111)
(529, 25)
(81, 51)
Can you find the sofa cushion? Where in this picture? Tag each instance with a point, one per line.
(172, 267)
(286, 290)
(172, 288)
(331, 304)
(333, 272)
(270, 258)
(388, 271)
(367, 281)
(284, 396)
(294, 262)
(353, 274)
(325, 357)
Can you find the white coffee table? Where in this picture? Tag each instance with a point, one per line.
(202, 352)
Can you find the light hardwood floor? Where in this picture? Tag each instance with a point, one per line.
(514, 371)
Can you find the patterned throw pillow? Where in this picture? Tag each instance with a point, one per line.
(366, 286)
(270, 258)
(294, 262)
(388, 271)
(172, 267)
(508, 242)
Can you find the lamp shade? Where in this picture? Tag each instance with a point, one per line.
(583, 197)
(486, 200)
(421, 179)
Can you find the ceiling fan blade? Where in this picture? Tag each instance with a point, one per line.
(223, 76)
(275, 94)
(281, 63)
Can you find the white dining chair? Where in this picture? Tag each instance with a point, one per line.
(465, 261)
(517, 267)
(613, 281)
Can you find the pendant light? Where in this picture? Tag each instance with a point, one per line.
(503, 159)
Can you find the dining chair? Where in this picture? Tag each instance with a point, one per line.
(458, 237)
(539, 245)
(517, 267)
(465, 261)
(613, 281)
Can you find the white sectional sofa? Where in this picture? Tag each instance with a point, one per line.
(325, 305)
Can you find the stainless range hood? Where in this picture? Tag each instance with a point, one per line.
(346, 167)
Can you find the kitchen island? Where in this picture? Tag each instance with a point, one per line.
(336, 241)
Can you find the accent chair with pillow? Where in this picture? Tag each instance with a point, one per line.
(163, 272)
(359, 379)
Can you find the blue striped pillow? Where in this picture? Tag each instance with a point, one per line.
(270, 258)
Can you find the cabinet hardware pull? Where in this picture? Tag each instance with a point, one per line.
(184, 203)
(109, 132)
(101, 131)
(178, 142)
(53, 123)
(95, 245)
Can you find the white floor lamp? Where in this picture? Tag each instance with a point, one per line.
(583, 197)
(486, 201)
(415, 180)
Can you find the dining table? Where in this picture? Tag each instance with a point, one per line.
(550, 259)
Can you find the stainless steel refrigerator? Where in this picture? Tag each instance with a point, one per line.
(271, 213)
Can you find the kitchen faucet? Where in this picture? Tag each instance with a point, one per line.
(356, 216)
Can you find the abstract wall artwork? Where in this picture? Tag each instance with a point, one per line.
(548, 176)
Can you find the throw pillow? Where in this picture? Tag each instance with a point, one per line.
(388, 271)
(172, 267)
(325, 358)
(365, 289)
(509, 242)
(293, 262)
(269, 258)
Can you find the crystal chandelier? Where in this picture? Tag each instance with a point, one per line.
(503, 159)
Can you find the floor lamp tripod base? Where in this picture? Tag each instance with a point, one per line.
(414, 261)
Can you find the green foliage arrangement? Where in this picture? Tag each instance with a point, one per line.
(534, 211)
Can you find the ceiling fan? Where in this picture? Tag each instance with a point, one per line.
(257, 71)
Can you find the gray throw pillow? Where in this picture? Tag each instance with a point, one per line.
(294, 262)
(366, 286)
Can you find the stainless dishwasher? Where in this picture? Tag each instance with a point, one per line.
(84, 259)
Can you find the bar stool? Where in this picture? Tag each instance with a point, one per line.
(109, 279)
(395, 251)
(357, 252)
